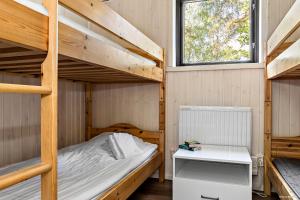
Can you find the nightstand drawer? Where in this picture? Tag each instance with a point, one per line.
(184, 189)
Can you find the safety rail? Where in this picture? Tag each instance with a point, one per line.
(13, 178)
(29, 89)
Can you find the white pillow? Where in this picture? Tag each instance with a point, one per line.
(123, 145)
(115, 148)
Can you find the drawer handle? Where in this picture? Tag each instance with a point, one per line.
(209, 198)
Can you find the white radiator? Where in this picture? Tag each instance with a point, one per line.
(216, 125)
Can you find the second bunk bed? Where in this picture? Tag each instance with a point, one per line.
(35, 40)
(282, 154)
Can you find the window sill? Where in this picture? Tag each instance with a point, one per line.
(216, 67)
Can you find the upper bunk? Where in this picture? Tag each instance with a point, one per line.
(283, 47)
(109, 50)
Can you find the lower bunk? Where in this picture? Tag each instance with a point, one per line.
(284, 167)
(91, 171)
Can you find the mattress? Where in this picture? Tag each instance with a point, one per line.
(290, 171)
(85, 171)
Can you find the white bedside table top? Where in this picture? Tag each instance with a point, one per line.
(217, 153)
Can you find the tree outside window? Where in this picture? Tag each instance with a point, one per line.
(216, 31)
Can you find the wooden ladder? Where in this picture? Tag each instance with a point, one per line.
(48, 90)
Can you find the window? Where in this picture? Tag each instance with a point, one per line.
(216, 31)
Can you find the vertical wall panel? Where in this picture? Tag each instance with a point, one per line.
(276, 11)
(286, 107)
(128, 103)
(20, 119)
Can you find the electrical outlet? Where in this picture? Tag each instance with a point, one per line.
(254, 165)
(260, 160)
(257, 162)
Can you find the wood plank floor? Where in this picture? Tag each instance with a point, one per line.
(152, 190)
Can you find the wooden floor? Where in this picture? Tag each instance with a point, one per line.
(152, 190)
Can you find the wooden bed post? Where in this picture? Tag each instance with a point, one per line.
(162, 116)
(89, 111)
(267, 130)
(49, 79)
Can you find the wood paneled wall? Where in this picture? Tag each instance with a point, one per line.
(276, 11)
(243, 87)
(117, 103)
(71, 113)
(286, 108)
(20, 119)
(286, 93)
(152, 17)
(136, 104)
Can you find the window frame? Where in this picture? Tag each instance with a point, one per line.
(254, 36)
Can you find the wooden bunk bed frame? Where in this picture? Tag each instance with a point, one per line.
(82, 56)
(283, 62)
(40, 45)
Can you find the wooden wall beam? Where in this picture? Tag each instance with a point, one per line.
(49, 117)
(89, 111)
(102, 15)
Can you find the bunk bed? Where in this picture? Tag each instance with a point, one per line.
(282, 154)
(36, 41)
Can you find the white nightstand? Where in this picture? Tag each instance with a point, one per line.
(213, 173)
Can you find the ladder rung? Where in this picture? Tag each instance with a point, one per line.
(23, 175)
(30, 89)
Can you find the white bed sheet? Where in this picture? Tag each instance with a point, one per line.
(85, 171)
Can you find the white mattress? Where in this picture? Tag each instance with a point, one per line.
(85, 171)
